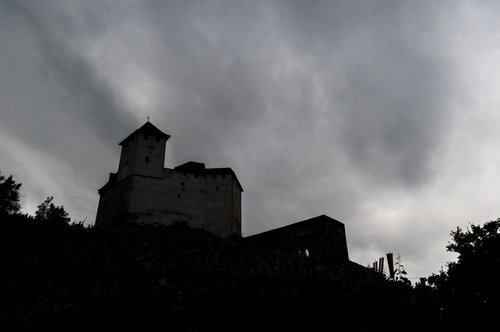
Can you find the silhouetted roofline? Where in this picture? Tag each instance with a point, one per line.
(191, 167)
(319, 219)
(194, 167)
(147, 129)
(111, 181)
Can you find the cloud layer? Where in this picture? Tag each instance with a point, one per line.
(379, 114)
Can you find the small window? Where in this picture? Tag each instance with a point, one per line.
(157, 139)
(146, 136)
(217, 189)
(146, 159)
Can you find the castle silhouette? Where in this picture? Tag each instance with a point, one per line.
(143, 191)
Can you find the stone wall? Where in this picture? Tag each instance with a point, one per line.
(201, 201)
(321, 238)
(114, 201)
(209, 201)
(142, 155)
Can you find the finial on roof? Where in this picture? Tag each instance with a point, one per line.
(148, 118)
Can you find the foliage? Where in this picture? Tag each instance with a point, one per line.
(61, 275)
(175, 277)
(400, 272)
(9, 195)
(48, 212)
(469, 289)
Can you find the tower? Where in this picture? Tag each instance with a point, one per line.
(143, 153)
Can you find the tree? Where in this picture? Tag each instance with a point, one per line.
(400, 272)
(470, 289)
(9, 195)
(477, 271)
(48, 212)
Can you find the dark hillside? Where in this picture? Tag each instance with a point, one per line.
(70, 276)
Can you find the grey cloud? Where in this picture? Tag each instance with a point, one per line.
(84, 97)
(383, 95)
(319, 106)
(386, 84)
(394, 117)
(95, 100)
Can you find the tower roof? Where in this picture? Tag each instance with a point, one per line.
(147, 129)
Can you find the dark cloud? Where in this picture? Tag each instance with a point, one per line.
(385, 83)
(64, 61)
(334, 107)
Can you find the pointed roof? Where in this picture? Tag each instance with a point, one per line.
(147, 129)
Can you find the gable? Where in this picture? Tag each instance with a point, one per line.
(148, 129)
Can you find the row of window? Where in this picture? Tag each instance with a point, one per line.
(201, 190)
(146, 137)
(146, 159)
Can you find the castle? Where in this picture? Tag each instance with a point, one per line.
(144, 191)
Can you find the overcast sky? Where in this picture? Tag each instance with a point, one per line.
(381, 114)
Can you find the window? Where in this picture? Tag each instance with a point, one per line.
(146, 159)
(157, 139)
(146, 136)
